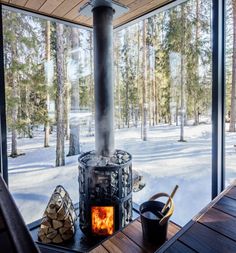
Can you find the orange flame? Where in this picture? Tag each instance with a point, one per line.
(103, 220)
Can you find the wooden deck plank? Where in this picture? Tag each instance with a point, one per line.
(99, 249)
(231, 193)
(172, 230)
(205, 240)
(179, 247)
(227, 205)
(200, 234)
(135, 233)
(221, 222)
(120, 243)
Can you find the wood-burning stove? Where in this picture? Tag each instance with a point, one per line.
(105, 188)
(105, 175)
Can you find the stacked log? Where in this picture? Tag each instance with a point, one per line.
(58, 223)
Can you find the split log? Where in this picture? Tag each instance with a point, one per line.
(58, 223)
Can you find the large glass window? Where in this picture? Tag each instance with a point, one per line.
(49, 100)
(163, 94)
(162, 76)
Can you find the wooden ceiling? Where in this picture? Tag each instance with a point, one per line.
(68, 10)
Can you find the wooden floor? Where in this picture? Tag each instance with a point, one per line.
(130, 240)
(212, 231)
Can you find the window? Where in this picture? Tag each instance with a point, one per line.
(49, 105)
(163, 94)
(162, 102)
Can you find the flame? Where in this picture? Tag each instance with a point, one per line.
(103, 220)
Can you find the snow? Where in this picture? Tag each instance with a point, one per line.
(162, 160)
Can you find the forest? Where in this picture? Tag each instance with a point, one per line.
(162, 75)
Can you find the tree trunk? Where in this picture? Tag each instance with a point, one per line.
(153, 97)
(233, 88)
(144, 102)
(138, 78)
(118, 85)
(91, 90)
(74, 145)
(67, 95)
(156, 98)
(48, 57)
(60, 152)
(196, 65)
(182, 103)
(67, 104)
(14, 151)
(127, 104)
(177, 112)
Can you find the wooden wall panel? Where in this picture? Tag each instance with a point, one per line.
(74, 13)
(138, 9)
(50, 5)
(65, 7)
(18, 2)
(34, 4)
(69, 9)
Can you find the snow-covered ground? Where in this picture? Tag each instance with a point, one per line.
(162, 160)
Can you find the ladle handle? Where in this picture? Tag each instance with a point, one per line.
(171, 197)
(171, 206)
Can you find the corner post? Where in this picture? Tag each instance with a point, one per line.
(3, 129)
(218, 97)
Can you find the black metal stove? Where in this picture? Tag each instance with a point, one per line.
(105, 187)
(105, 175)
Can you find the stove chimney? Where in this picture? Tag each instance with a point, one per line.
(103, 79)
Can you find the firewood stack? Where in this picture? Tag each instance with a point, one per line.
(58, 223)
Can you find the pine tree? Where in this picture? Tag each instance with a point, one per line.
(233, 86)
(74, 145)
(60, 152)
(144, 101)
(48, 58)
(23, 74)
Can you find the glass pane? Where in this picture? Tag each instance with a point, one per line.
(162, 76)
(163, 95)
(49, 98)
(230, 114)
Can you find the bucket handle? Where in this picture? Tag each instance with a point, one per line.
(171, 206)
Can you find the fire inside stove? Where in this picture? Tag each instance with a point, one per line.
(102, 220)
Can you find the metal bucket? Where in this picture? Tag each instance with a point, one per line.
(155, 225)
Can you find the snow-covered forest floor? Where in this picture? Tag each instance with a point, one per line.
(162, 160)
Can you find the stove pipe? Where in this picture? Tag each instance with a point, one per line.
(103, 79)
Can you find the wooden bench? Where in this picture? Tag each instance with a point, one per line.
(213, 230)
